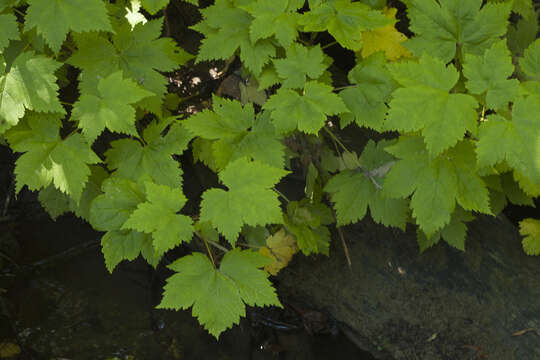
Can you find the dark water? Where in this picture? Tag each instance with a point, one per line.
(70, 307)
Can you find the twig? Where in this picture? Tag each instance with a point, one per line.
(345, 248)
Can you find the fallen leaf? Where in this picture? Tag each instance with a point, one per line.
(280, 247)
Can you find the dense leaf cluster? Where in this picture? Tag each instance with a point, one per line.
(463, 93)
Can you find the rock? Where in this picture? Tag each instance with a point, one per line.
(443, 304)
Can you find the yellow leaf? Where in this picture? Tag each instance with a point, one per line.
(530, 229)
(386, 39)
(280, 247)
(8, 350)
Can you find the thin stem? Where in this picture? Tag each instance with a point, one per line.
(329, 45)
(207, 248)
(281, 194)
(215, 244)
(19, 12)
(249, 245)
(4, 256)
(346, 87)
(334, 137)
(66, 103)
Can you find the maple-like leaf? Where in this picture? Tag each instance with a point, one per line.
(219, 296)
(436, 183)
(307, 112)
(386, 39)
(516, 141)
(28, 84)
(441, 27)
(354, 190)
(8, 29)
(367, 100)
(133, 160)
(345, 21)
(226, 28)
(158, 216)
(56, 202)
(530, 62)
(249, 199)
(111, 107)
(272, 18)
(236, 133)
(301, 63)
(281, 248)
(308, 221)
(530, 230)
(444, 117)
(48, 158)
(489, 74)
(454, 233)
(153, 6)
(129, 50)
(55, 18)
(119, 245)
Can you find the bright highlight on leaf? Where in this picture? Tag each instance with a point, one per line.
(281, 248)
(249, 199)
(530, 229)
(219, 296)
(386, 39)
(28, 84)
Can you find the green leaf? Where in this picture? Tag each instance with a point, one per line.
(445, 116)
(530, 229)
(110, 107)
(133, 160)
(515, 141)
(489, 74)
(454, 233)
(301, 62)
(354, 190)
(441, 28)
(436, 183)
(129, 52)
(110, 210)
(367, 100)
(8, 29)
(249, 200)
(218, 296)
(308, 111)
(122, 245)
(226, 29)
(272, 18)
(55, 18)
(153, 6)
(345, 20)
(157, 216)
(308, 221)
(48, 158)
(56, 203)
(237, 132)
(521, 35)
(530, 62)
(29, 83)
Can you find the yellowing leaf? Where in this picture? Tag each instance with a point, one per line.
(530, 229)
(9, 350)
(280, 247)
(386, 39)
